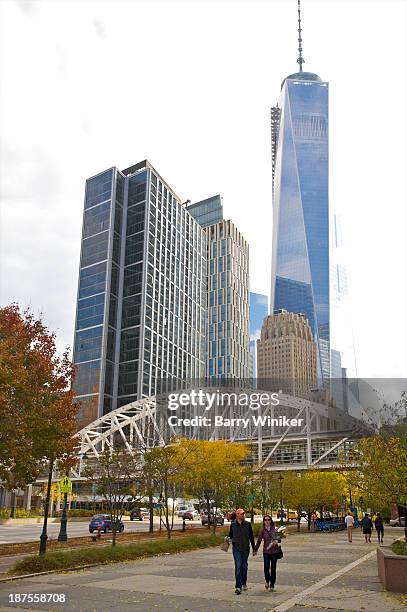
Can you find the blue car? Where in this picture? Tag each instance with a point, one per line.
(104, 523)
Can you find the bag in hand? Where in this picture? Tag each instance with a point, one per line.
(225, 546)
(280, 553)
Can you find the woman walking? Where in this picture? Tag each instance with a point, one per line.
(271, 550)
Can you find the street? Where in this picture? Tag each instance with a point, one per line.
(28, 533)
(319, 571)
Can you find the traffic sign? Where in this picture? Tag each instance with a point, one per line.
(65, 485)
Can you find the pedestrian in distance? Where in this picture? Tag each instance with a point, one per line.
(349, 522)
(241, 536)
(379, 525)
(271, 550)
(367, 527)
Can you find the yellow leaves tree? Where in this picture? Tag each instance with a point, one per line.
(213, 469)
(381, 474)
(312, 490)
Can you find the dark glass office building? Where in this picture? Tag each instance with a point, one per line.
(207, 212)
(141, 296)
(300, 261)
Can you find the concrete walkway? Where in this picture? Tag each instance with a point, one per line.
(319, 572)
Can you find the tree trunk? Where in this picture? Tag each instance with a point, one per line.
(252, 515)
(167, 518)
(298, 519)
(309, 515)
(13, 504)
(208, 507)
(151, 506)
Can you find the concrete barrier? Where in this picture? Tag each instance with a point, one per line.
(392, 569)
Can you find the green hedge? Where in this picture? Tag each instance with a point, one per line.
(108, 554)
(75, 512)
(399, 548)
(20, 513)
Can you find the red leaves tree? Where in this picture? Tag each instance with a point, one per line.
(37, 413)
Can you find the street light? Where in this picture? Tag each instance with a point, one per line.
(44, 535)
(280, 479)
(63, 536)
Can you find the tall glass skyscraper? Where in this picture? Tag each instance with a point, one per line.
(141, 296)
(300, 260)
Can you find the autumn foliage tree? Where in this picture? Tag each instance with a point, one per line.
(37, 412)
(313, 490)
(214, 471)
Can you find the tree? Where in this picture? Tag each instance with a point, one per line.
(381, 472)
(312, 490)
(115, 478)
(166, 466)
(257, 489)
(37, 411)
(213, 470)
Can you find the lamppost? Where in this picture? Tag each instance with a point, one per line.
(44, 535)
(280, 479)
(64, 487)
(63, 536)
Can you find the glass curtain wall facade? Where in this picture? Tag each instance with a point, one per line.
(300, 261)
(228, 303)
(207, 212)
(227, 316)
(258, 311)
(140, 320)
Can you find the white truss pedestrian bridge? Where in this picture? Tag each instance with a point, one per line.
(323, 436)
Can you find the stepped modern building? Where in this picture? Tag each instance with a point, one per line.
(227, 331)
(141, 296)
(300, 260)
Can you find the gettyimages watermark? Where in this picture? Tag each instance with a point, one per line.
(210, 402)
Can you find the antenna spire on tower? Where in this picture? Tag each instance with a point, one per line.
(300, 59)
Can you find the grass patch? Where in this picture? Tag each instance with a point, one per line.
(62, 560)
(399, 548)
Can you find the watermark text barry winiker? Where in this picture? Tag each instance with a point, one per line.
(238, 401)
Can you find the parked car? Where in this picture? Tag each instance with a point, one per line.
(104, 523)
(292, 516)
(139, 514)
(189, 515)
(186, 512)
(398, 522)
(220, 519)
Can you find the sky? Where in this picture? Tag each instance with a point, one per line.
(86, 85)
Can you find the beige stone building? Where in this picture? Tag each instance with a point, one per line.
(286, 354)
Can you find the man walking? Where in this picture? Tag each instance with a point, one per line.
(349, 522)
(367, 526)
(378, 523)
(241, 535)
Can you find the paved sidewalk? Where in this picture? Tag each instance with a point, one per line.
(312, 576)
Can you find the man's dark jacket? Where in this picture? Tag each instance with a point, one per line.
(241, 535)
